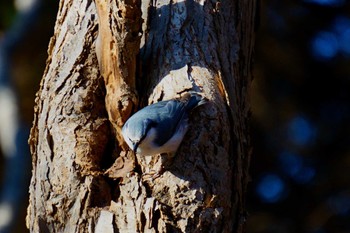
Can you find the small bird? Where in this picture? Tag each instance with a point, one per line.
(160, 127)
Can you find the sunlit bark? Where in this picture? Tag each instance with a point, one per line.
(103, 65)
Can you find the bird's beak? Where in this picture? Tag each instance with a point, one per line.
(136, 145)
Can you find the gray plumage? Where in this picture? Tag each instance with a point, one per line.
(160, 127)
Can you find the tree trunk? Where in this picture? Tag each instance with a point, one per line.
(84, 177)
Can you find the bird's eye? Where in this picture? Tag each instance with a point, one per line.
(133, 141)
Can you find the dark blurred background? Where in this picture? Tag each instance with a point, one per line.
(300, 127)
(300, 101)
(25, 30)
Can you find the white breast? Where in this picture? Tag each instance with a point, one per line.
(147, 146)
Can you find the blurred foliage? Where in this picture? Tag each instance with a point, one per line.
(300, 127)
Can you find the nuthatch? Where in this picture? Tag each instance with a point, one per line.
(160, 127)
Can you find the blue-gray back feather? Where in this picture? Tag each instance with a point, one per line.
(160, 114)
(178, 111)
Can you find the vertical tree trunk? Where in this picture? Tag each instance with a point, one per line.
(84, 178)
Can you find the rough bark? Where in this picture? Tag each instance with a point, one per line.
(84, 178)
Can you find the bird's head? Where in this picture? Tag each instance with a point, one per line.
(134, 132)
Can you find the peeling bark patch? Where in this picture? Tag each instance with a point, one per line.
(117, 47)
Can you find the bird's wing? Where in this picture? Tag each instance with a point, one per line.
(170, 114)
